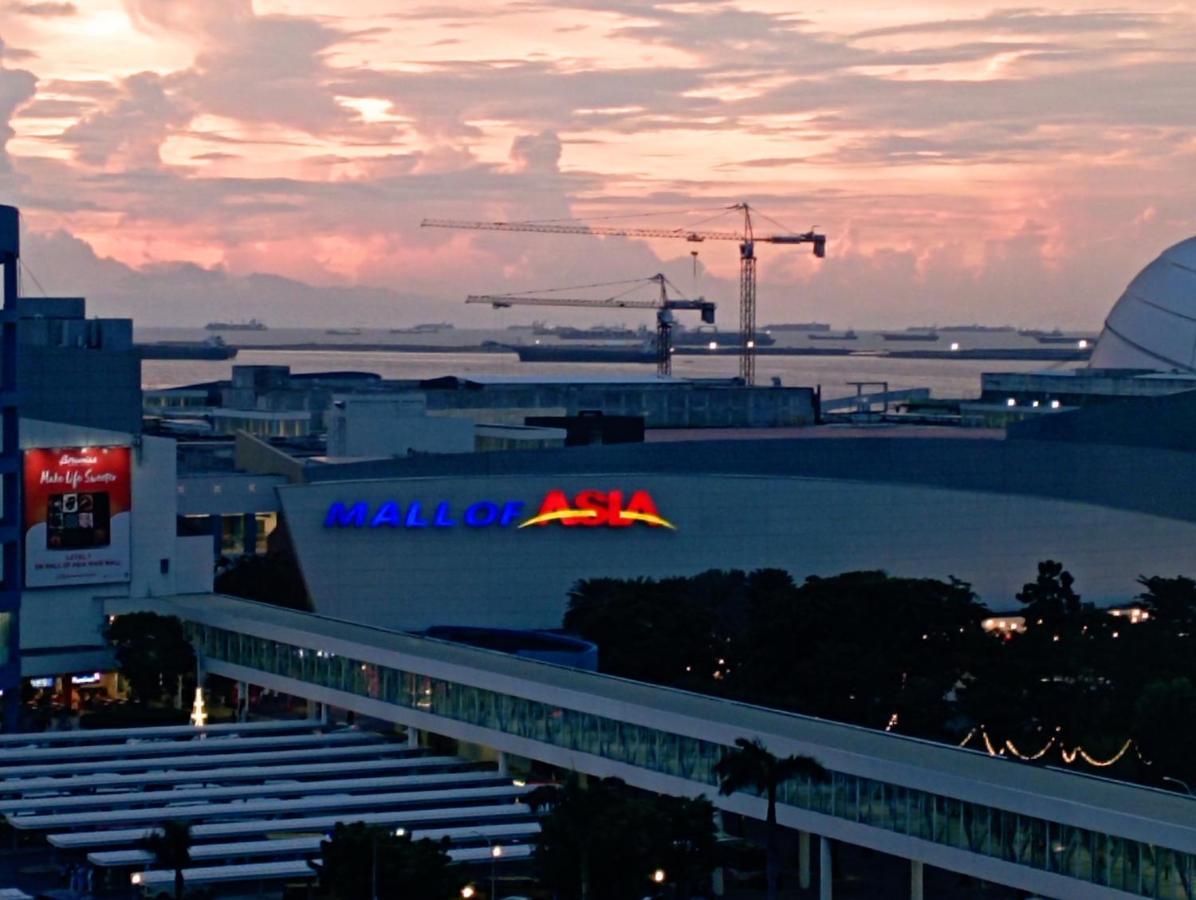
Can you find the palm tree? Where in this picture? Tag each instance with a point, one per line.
(171, 846)
(752, 766)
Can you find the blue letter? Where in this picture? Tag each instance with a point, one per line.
(388, 514)
(340, 517)
(442, 519)
(481, 514)
(511, 511)
(413, 519)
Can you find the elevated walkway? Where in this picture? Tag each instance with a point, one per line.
(1041, 830)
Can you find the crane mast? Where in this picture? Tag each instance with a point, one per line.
(747, 259)
(664, 306)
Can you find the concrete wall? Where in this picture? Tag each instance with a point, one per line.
(509, 577)
(393, 425)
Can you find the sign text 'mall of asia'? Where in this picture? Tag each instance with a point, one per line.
(589, 508)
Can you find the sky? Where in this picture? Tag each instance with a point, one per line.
(180, 161)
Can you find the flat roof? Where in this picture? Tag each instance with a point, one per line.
(162, 732)
(197, 746)
(136, 797)
(279, 810)
(308, 844)
(561, 378)
(72, 784)
(197, 761)
(116, 837)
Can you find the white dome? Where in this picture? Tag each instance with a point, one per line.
(1153, 325)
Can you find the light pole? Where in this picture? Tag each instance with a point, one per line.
(495, 855)
(374, 866)
(1182, 784)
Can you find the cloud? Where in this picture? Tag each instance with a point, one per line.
(47, 9)
(129, 130)
(16, 87)
(958, 163)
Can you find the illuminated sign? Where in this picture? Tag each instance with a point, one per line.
(594, 508)
(89, 678)
(588, 508)
(41, 683)
(77, 508)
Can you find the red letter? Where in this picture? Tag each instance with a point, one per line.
(591, 500)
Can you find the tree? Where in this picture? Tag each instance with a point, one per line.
(152, 652)
(1170, 600)
(753, 767)
(908, 642)
(1165, 725)
(171, 846)
(1051, 597)
(360, 862)
(273, 578)
(603, 841)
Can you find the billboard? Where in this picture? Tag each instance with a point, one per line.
(77, 502)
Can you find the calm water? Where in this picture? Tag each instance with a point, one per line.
(945, 378)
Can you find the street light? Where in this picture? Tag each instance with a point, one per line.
(495, 855)
(467, 891)
(1182, 784)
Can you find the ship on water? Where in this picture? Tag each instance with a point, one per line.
(909, 335)
(847, 335)
(587, 353)
(816, 327)
(211, 348)
(251, 325)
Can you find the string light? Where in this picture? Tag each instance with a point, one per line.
(1039, 755)
(892, 722)
(1068, 756)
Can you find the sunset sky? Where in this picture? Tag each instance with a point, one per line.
(969, 162)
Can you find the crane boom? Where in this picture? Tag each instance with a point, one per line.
(501, 301)
(664, 306)
(693, 236)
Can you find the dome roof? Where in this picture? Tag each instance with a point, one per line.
(1153, 325)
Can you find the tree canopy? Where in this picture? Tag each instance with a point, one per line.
(910, 655)
(603, 841)
(357, 858)
(152, 652)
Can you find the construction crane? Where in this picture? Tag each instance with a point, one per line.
(747, 239)
(664, 305)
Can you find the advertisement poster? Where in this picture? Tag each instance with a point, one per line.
(77, 502)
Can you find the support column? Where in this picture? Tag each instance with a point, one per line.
(242, 701)
(915, 879)
(803, 860)
(412, 737)
(825, 874)
(501, 760)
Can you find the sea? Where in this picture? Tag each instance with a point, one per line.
(946, 378)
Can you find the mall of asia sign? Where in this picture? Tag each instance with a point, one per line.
(589, 508)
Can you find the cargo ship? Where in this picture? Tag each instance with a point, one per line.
(212, 348)
(719, 338)
(799, 326)
(848, 335)
(909, 335)
(589, 353)
(251, 325)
